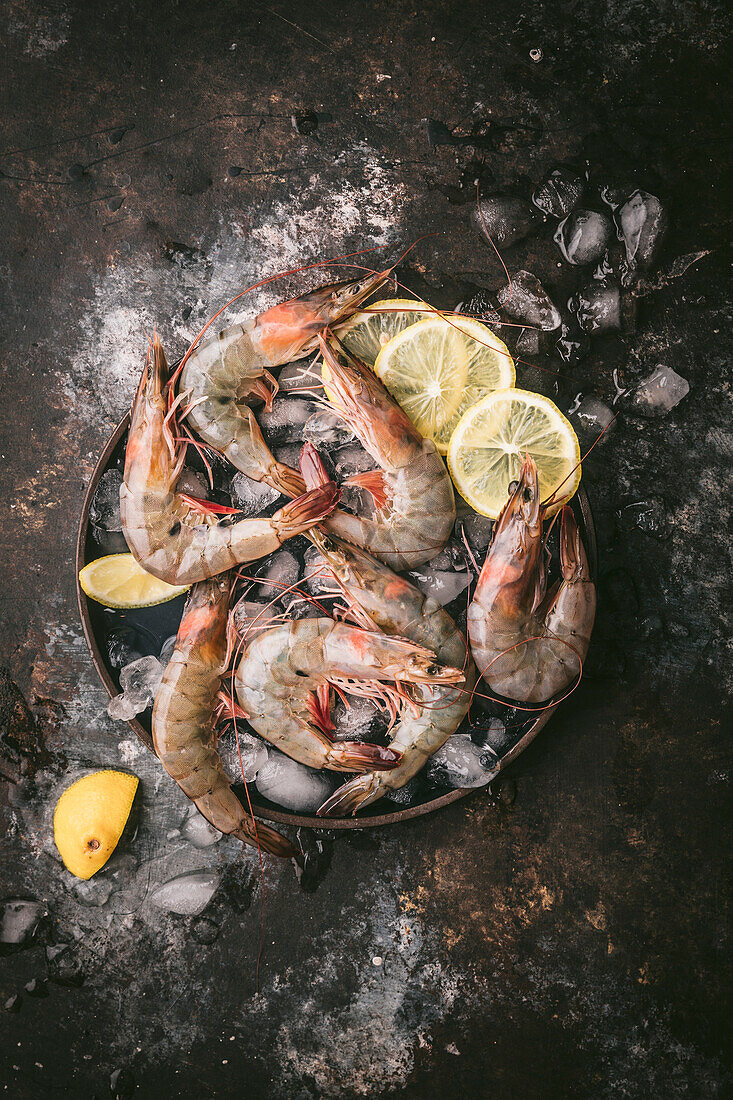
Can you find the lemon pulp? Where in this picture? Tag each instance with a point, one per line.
(489, 444)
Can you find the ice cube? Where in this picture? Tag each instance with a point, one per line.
(484, 305)
(104, 511)
(289, 454)
(560, 193)
(142, 676)
(352, 459)
(110, 542)
(493, 735)
(318, 578)
(404, 796)
(461, 763)
(120, 650)
(590, 418)
(299, 376)
(584, 236)
(94, 892)
(252, 750)
(478, 532)
(187, 894)
(327, 427)
(361, 720)
(193, 483)
(641, 223)
(167, 651)
(443, 585)
(278, 572)
(572, 345)
(125, 707)
(19, 919)
(293, 785)
(251, 497)
(139, 682)
(504, 219)
(597, 307)
(198, 831)
(285, 421)
(249, 617)
(660, 392)
(525, 299)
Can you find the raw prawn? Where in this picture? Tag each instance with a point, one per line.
(528, 644)
(411, 489)
(434, 710)
(183, 716)
(223, 373)
(175, 537)
(284, 678)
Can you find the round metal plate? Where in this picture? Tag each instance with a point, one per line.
(265, 811)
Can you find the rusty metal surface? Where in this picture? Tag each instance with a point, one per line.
(564, 935)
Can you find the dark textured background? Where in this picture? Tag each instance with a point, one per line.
(562, 936)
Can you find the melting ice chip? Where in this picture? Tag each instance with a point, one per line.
(286, 419)
(504, 219)
(641, 223)
(461, 763)
(352, 459)
(496, 737)
(360, 721)
(167, 651)
(327, 427)
(404, 796)
(104, 511)
(139, 682)
(584, 236)
(253, 753)
(193, 483)
(525, 299)
(590, 418)
(478, 531)
(187, 894)
(120, 651)
(251, 497)
(660, 392)
(560, 193)
(198, 831)
(572, 345)
(601, 307)
(19, 919)
(278, 573)
(443, 585)
(293, 785)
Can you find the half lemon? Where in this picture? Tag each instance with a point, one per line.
(90, 818)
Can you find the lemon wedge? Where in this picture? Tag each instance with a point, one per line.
(118, 581)
(90, 818)
(436, 369)
(489, 444)
(368, 331)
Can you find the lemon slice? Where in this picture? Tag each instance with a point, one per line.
(90, 818)
(436, 369)
(118, 581)
(489, 444)
(367, 332)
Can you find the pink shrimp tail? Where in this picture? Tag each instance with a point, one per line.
(349, 798)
